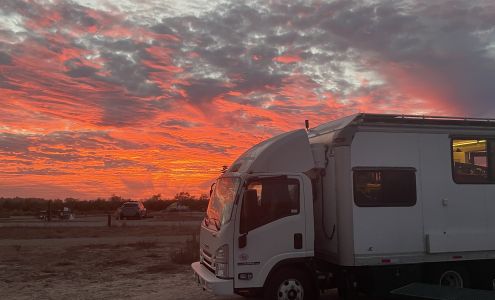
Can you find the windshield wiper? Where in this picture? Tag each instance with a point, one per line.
(215, 221)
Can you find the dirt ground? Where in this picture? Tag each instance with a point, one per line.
(85, 259)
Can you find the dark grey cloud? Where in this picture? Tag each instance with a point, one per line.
(119, 86)
(162, 29)
(202, 90)
(14, 143)
(5, 84)
(45, 171)
(62, 145)
(118, 163)
(442, 45)
(88, 140)
(16, 162)
(209, 147)
(131, 74)
(439, 42)
(5, 59)
(446, 45)
(82, 72)
(178, 123)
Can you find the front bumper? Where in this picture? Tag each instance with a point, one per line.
(210, 282)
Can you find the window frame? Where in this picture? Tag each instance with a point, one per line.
(383, 169)
(490, 157)
(289, 180)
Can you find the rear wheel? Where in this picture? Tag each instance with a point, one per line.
(449, 275)
(290, 284)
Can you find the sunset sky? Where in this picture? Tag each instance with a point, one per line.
(135, 98)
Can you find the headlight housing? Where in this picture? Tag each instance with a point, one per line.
(222, 262)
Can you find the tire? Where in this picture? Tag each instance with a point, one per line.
(290, 284)
(449, 275)
(482, 274)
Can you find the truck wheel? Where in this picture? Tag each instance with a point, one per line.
(290, 284)
(450, 276)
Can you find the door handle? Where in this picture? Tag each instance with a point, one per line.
(298, 241)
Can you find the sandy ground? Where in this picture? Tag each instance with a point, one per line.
(84, 259)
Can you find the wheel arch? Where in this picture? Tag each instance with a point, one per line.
(304, 264)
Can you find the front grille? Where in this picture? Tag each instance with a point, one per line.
(208, 260)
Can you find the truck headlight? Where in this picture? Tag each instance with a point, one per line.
(222, 262)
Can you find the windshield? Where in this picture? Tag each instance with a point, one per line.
(222, 199)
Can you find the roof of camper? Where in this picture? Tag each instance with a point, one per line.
(395, 120)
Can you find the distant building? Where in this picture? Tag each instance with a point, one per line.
(176, 206)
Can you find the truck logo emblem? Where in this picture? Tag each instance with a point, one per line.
(243, 257)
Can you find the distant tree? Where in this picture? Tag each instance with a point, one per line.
(156, 203)
(183, 196)
(32, 206)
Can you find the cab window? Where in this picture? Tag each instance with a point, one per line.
(276, 198)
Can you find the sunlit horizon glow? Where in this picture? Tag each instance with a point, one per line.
(136, 99)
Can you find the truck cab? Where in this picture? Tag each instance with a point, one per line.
(264, 198)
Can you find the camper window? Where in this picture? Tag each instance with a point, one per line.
(472, 160)
(276, 198)
(384, 187)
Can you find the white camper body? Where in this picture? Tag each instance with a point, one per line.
(448, 221)
(372, 203)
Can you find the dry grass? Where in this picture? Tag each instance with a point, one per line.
(141, 245)
(64, 263)
(130, 262)
(178, 216)
(188, 253)
(165, 267)
(120, 262)
(95, 232)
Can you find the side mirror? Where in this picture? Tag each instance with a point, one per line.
(249, 210)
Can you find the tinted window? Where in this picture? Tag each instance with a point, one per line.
(472, 160)
(384, 187)
(276, 198)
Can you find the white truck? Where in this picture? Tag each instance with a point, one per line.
(369, 203)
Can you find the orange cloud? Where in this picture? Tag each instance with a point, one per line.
(287, 59)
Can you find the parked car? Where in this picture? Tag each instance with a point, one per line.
(131, 210)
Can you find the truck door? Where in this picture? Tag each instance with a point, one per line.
(270, 227)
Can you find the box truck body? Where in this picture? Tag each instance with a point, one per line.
(366, 203)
